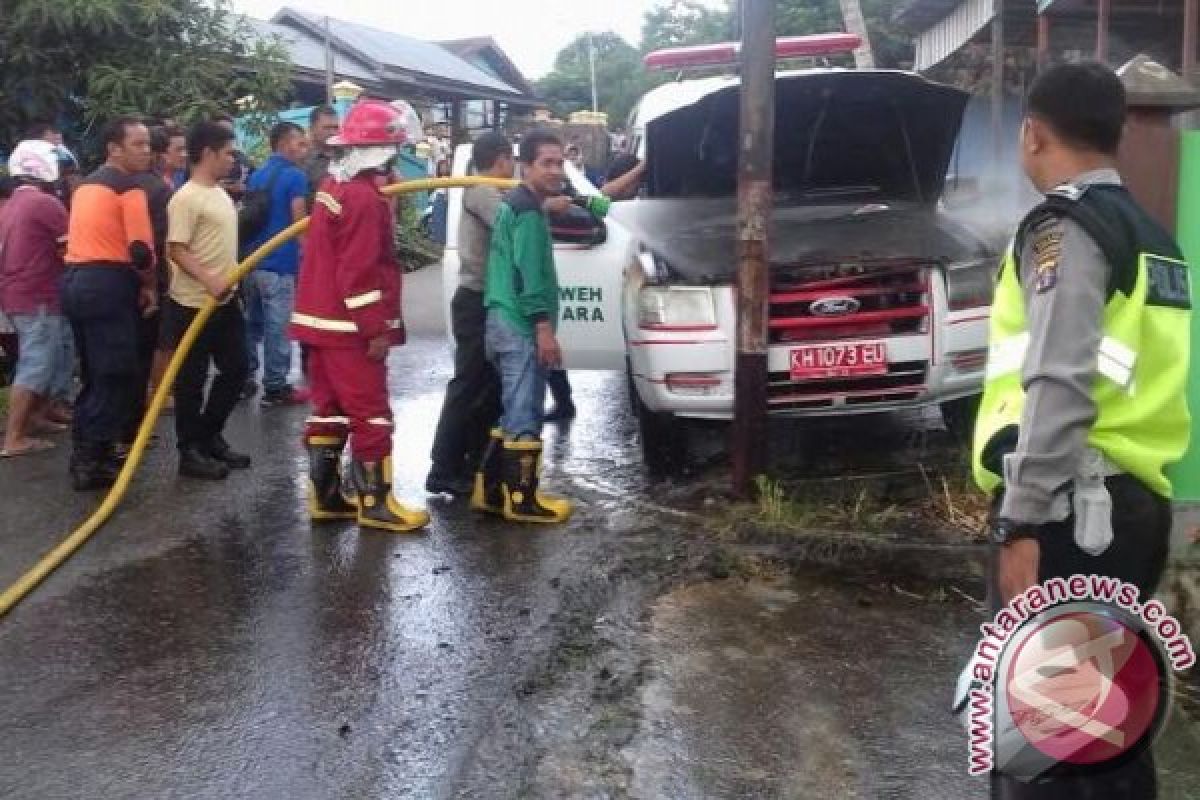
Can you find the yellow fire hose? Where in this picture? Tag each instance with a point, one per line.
(65, 549)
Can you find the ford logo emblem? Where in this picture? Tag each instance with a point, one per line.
(834, 306)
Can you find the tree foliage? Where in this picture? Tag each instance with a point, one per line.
(679, 23)
(621, 79)
(88, 60)
(891, 44)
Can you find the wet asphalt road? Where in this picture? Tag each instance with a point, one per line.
(211, 643)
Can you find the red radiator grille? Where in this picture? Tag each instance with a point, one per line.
(891, 295)
(892, 299)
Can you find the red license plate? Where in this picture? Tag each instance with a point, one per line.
(813, 361)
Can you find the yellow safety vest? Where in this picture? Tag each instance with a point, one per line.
(1142, 422)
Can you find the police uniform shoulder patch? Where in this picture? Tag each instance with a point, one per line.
(1046, 249)
(1168, 283)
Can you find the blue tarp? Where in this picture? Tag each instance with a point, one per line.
(409, 166)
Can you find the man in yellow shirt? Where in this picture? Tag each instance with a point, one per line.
(202, 231)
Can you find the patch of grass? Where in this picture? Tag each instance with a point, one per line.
(954, 500)
(4, 402)
(927, 499)
(773, 504)
(841, 505)
(730, 562)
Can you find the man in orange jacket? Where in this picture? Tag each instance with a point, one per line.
(347, 312)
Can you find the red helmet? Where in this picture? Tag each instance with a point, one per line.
(370, 122)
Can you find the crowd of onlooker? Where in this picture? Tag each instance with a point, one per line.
(94, 270)
(101, 275)
(33, 227)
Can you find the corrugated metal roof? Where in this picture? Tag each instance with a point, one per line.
(399, 52)
(307, 53)
(481, 47)
(921, 14)
(947, 36)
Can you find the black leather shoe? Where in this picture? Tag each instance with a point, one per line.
(560, 413)
(195, 462)
(84, 479)
(458, 486)
(91, 475)
(220, 450)
(93, 467)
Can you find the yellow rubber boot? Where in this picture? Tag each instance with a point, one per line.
(487, 495)
(377, 507)
(521, 468)
(325, 498)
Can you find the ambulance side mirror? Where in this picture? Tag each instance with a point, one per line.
(577, 226)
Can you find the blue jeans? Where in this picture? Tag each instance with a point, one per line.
(523, 382)
(46, 354)
(269, 300)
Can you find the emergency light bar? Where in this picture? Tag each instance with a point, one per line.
(709, 55)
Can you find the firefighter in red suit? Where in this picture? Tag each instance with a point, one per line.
(347, 311)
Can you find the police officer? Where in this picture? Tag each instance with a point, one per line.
(1084, 404)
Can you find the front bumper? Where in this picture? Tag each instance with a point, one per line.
(692, 374)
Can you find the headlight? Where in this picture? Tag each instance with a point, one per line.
(970, 284)
(650, 267)
(653, 267)
(676, 308)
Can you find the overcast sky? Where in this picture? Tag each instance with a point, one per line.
(530, 31)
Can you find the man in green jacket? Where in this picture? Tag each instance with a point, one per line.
(521, 296)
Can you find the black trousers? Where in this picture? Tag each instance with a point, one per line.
(101, 305)
(560, 388)
(1141, 540)
(147, 344)
(221, 344)
(472, 403)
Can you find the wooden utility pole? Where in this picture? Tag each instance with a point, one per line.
(1191, 22)
(1043, 41)
(1103, 16)
(852, 16)
(592, 69)
(756, 146)
(329, 98)
(998, 77)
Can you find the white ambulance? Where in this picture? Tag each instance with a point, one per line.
(879, 301)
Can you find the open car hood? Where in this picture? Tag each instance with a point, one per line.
(889, 134)
(696, 239)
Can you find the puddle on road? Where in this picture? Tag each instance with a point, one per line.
(815, 687)
(801, 689)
